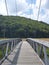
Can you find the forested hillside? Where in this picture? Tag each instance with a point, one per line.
(15, 26)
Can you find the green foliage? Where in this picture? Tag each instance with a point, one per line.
(15, 26)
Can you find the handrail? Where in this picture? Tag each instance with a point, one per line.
(40, 47)
(10, 45)
(42, 42)
(8, 40)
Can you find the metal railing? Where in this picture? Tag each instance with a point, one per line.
(6, 47)
(40, 47)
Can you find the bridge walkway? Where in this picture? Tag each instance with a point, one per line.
(23, 54)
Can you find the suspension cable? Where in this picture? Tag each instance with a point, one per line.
(6, 6)
(39, 10)
(30, 10)
(16, 6)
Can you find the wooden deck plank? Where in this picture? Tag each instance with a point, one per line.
(23, 54)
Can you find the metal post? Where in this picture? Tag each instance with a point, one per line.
(12, 46)
(33, 46)
(7, 50)
(37, 49)
(41, 49)
(14, 43)
(45, 55)
(3, 51)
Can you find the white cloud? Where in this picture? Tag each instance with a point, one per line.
(45, 17)
(47, 4)
(37, 3)
(19, 7)
(2, 8)
(34, 8)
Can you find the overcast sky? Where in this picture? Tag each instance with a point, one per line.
(26, 8)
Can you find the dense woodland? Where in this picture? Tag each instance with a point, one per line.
(15, 26)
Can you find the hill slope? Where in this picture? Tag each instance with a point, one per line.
(15, 26)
